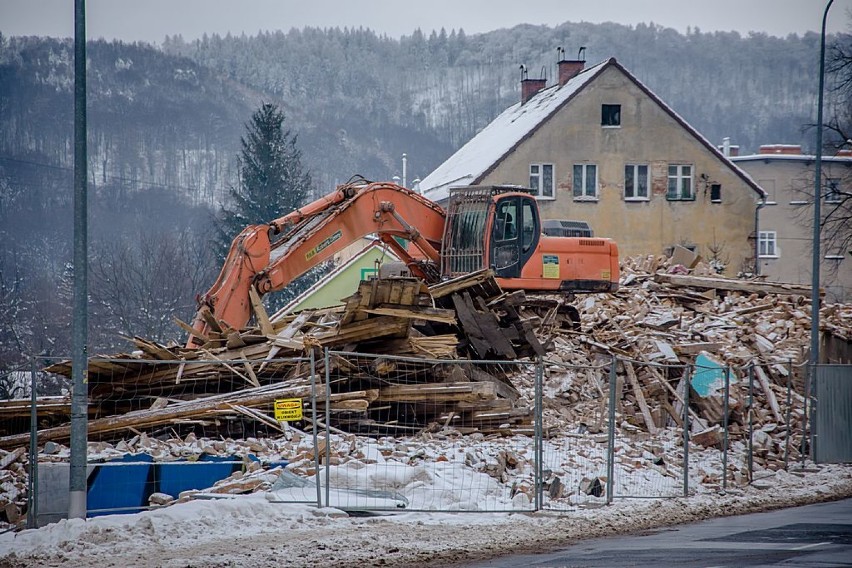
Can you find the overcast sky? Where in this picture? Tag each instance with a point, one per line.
(151, 20)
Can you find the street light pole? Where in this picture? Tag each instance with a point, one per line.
(79, 335)
(815, 299)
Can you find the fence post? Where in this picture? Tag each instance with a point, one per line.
(610, 450)
(539, 435)
(808, 375)
(725, 425)
(751, 423)
(787, 419)
(813, 399)
(686, 430)
(32, 485)
(314, 422)
(326, 361)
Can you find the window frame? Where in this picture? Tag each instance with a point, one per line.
(610, 115)
(767, 238)
(679, 178)
(583, 196)
(715, 193)
(635, 167)
(537, 191)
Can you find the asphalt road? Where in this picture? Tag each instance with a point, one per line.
(811, 536)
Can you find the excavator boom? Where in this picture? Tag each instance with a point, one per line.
(269, 257)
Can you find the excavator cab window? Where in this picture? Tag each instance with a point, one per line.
(505, 248)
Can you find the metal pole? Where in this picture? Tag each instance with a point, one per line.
(789, 409)
(686, 431)
(751, 424)
(539, 435)
(725, 425)
(79, 396)
(314, 422)
(814, 359)
(610, 441)
(327, 427)
(814, 402)
(32, 489)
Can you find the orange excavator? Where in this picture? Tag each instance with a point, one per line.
(497, 227)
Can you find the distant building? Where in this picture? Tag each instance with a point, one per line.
(600, 147)
(358, 262)
(785, 230)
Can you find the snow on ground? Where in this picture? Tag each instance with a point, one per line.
(250, 530)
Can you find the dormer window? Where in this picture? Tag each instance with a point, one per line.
(610, 115)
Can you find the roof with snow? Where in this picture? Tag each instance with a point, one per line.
(484, 152)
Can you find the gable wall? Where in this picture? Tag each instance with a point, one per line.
(648, 135)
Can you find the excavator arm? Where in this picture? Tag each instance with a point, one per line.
(269, 257)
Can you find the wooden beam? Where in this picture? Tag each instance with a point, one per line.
(260, 312)
(751, 287)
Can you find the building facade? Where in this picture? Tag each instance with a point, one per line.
(785, 227)
(600, 147)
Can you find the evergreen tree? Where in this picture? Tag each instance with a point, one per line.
(272, 182)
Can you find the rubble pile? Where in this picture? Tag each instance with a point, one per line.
(675, 329)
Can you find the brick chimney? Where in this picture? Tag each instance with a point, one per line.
(529, 87)
(569, 68)
(789, 149)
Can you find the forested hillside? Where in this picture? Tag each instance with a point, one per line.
(165, 124)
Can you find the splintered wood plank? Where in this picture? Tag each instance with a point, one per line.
(640, 398)
(372, 328)
(416, 312)
(188, 328)
(155, 350)
(460, 283)
(260, 312)
(438, 392)
(210, 320)
(734, 285)
(470, 324)
(763, 381)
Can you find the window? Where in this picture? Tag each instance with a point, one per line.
(767, 245)
(832, 191)
(541, 180)
(635, 182)
(680, 183)
(585, 181)
(716, 193)
(505, 227)
(610, 115)
(529, 225)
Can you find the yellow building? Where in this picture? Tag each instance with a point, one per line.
(598, 146)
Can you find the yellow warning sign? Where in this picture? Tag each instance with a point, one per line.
(288, 409)
(550, 268)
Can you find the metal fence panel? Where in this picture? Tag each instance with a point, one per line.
(833, 414)
(435, 437)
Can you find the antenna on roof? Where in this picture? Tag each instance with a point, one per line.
(582, 51)
(560, 53)
(523, 72)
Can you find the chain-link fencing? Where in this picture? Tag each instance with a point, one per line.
(379, 432)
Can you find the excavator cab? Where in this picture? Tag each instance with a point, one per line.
(500, 227)
(489, 227)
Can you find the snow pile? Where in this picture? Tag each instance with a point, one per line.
(250, 531)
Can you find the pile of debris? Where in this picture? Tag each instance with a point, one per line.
(240, 373)
(663, 318)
